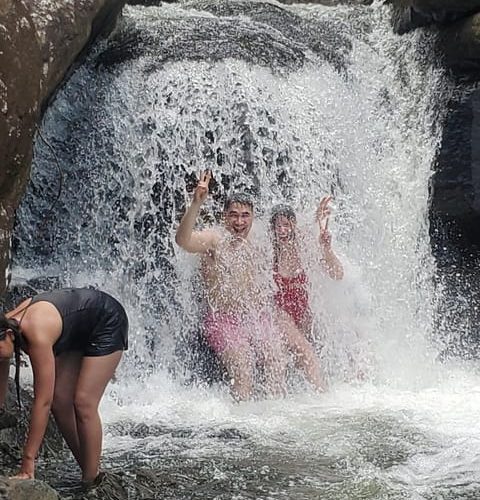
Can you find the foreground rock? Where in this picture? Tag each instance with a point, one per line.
(26, 490)
(40, 42)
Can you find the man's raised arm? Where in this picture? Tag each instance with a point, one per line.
(190, 240)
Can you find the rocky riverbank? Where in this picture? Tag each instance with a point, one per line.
(13, 426)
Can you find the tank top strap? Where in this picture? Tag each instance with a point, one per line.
(23, 311)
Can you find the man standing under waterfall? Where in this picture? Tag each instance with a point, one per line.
(239, 323)
(242, 324)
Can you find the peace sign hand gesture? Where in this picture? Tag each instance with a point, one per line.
(322, 216)
(323, 212)
(201, 191)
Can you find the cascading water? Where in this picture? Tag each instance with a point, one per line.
(288, 104)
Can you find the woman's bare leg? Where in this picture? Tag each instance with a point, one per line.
(67, 369)
(95, 373)
(305, 357)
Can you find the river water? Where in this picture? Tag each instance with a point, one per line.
(286, 103)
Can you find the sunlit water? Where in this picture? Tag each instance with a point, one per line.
(249, 94)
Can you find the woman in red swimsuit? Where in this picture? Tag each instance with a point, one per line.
(288, 271)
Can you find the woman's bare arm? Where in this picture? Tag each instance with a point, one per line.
(43, 366)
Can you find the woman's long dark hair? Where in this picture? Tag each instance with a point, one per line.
(14, 326)
(280, 211)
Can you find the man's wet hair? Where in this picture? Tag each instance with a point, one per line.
(11, 324)
(240, 198)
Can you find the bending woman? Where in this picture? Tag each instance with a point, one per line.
(74, 339)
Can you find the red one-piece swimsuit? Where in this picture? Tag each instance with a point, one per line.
(292, 295)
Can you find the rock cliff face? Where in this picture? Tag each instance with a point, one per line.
(456, 185)
(459, 28)
(39, 43)
(411, 14)
(455, 206)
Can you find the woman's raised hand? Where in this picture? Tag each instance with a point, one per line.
(201, 191)
(322, 216)
(323, 212)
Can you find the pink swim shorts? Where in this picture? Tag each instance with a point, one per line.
(233, 332)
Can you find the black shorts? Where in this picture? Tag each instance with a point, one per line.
(111, 333)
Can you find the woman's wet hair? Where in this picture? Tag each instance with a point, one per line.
(12, 324)
(240, 198)
(282, 211)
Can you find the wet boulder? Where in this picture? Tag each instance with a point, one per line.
(109, 486)
(261, 33)
(460, 44)
(26, 490)
(320, 36)
(39, 44)
(411, 14)
(457, 23)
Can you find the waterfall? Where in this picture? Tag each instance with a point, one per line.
(287, 103)
(132, 130)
